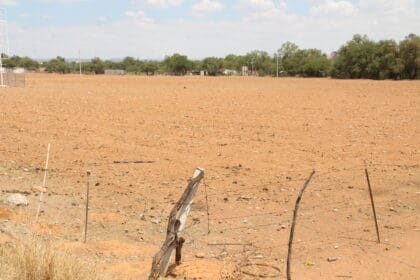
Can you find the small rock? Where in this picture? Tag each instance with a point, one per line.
(199, 255)
(332, 259)
(37, 189)
(16, 199)
(155, 221)
(283, 226)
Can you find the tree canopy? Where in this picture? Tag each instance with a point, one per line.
(359, 58)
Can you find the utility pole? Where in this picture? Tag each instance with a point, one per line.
(4, 43)
(80, 64)
(1, 71)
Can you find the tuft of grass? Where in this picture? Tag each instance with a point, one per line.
(38, 260)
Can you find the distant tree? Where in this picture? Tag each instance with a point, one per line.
(57, 65)
(113, 65)
(96, 66)
(28, 63)
(177, 64)
(132, 65)
(410, 56)
(355, 60)
(213, 65)
(234, 62)
(314, 64)
(17, 61)
(287, 54)
(151, 67)
(260, 62)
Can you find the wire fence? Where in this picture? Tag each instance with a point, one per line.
(249, 225)
(14, 79)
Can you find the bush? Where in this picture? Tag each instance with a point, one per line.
(37, 260)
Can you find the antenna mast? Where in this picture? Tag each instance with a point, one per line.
(4, 42)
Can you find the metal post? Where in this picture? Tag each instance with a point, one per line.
(44, 182)
(373, 205)
(87, 202)
(80, 65)
(1, 71)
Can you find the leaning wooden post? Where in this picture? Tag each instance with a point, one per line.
(292, 229)
(373, 205)
(44, 184)
(87, 202)
(176, 225)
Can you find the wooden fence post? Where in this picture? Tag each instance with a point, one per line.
(292, 229)
(176, 224)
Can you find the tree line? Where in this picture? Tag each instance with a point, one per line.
(359, 58)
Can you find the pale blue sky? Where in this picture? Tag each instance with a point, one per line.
(198, 28)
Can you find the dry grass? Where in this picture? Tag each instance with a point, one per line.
(37, 260)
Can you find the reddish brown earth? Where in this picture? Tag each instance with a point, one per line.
(257, 139)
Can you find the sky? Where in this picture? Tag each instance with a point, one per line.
(151, 29)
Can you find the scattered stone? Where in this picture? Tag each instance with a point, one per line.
(283, 226)
(16, 199)
(38, 189)
(332, 259)
(244, 197)
(199, 255)
(155, 221)
(392, 209)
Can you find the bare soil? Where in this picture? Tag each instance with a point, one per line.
(258, 139)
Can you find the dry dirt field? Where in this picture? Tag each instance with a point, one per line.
(258, 139)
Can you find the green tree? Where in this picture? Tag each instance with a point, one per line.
(213, 65)
(57, 65)
(96, 66)
(410, 56)
(314, 64)
(356, 59)
(177, 64)
(287, 53)
(151, 67)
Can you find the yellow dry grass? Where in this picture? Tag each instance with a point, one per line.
(38, 260)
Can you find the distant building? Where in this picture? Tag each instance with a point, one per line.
(245, 71)
(229, 72)
(114, 72)
(19, 71)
